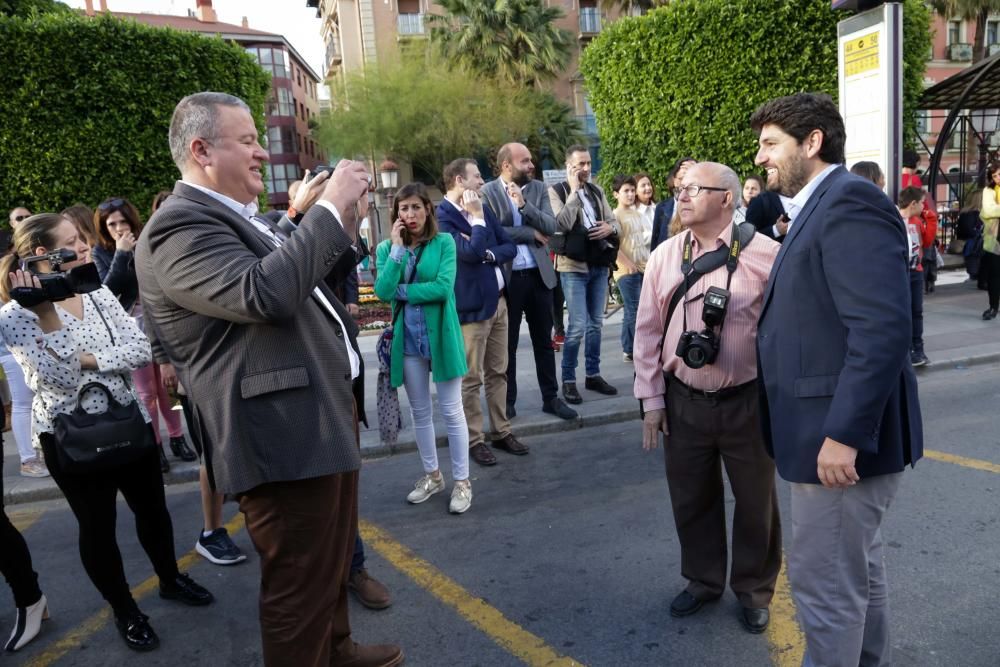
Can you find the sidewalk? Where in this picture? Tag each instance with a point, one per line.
(954, 334)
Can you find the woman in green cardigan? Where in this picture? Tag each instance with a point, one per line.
(427, 337)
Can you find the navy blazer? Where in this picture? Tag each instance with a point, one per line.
(476, 290)
(662, 215)
(764, 211)
(833, 341)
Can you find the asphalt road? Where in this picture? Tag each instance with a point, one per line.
(566, 554)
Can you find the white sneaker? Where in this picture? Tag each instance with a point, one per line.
(425, 487)
(461, 498)
(27, 624)
(34, 468)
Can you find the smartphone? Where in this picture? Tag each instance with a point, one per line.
(320, 168)
(404, 234)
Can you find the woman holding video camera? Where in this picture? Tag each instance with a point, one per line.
(116, 227)
(63, 346)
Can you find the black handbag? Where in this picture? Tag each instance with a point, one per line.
(91, 442)
(88, 442)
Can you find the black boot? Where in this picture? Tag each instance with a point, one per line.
(181, 450)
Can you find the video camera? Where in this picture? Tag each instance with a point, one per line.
(56, 285)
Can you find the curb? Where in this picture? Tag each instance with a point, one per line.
(958, 363)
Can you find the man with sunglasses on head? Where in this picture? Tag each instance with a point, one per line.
(700, 392)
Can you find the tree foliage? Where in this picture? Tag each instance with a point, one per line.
(419, 110)
(26, 8)
(87, 105)
(515, 41)
(685, 78)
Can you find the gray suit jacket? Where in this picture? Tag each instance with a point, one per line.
(264, 363)
(537, 214)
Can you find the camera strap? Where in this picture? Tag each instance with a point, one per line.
(694, 270)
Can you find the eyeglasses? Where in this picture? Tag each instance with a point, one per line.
(113, 203)
(693, 190)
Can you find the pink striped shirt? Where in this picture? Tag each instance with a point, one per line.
(737, 360)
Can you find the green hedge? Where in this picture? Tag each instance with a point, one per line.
(86, 106)
(685, 78)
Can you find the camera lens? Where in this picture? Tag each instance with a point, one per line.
(695, 357)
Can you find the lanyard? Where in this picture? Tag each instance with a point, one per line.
(687, 266)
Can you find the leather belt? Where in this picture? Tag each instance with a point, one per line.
(524, 272)
(701, 394)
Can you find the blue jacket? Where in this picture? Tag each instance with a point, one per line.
(476, 290)
(662, 215)
(833, 340)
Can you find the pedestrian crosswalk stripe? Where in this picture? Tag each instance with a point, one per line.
(510, 636)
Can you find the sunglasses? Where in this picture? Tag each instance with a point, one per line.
(111, 203)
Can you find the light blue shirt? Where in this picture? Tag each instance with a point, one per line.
(524, 259)
(795, 205)
(416, 341)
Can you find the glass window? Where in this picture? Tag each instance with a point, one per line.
(281, 139)
(265, 57)
(954, 32)
(992, 32)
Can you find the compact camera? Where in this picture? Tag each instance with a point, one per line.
(56, 285)
(698, 348)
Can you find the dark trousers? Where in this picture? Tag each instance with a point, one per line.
(93, 496)
(528, 295)
(15, 559)
(304, 532)
(990, 268)
(558, 305)
(705, 433)
(917, 309)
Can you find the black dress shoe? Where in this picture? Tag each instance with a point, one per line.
(164, 463)
(482, 455)
(685, 604)
(598, 384)
(989, 314)
(559, 409)
(511, 411)
(571, 394)
(755, 620)
(511, 445)
(183, 589)
(180, 449)
(137, 632)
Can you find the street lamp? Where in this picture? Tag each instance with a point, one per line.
(388, 173)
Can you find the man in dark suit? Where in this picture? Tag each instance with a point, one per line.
(841, 415)
(663, 214)
(521, 204)
(269, 358)
(482, 247)
(765, 214)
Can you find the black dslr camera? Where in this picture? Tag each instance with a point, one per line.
(698, 348)
(56, 285)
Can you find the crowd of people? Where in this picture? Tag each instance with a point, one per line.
(783, 359)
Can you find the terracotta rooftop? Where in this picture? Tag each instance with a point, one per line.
(192, 24)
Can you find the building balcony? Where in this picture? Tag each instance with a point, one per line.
(590, 22)
(960, 52)
(993, 49)
(334, 55)
(410, 25)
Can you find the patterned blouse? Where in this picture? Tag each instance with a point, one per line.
(51, 361)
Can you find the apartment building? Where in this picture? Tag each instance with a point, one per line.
(292, 102)
(361, 32)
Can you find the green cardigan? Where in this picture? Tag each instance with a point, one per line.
(434, 289)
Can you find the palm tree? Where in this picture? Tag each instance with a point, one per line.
(515, 41)
(970, 10)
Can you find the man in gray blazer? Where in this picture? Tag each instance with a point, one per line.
(522, 206)
(268, 356)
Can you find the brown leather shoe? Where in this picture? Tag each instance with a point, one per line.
(378, 655)
(369, 592)
(482, 455)
(511, 445)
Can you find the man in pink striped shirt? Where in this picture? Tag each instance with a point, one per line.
(710, 413)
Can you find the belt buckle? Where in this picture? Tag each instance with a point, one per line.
(713, 395)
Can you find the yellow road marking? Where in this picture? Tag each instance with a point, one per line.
(965, 462)
(788, 644)
(514, 639)
(22, 520)
(77, 635)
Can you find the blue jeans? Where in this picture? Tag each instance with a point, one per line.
(630, 286)
(586, 295)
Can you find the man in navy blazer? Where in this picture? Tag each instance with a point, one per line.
(841, 415)
(483, 247)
